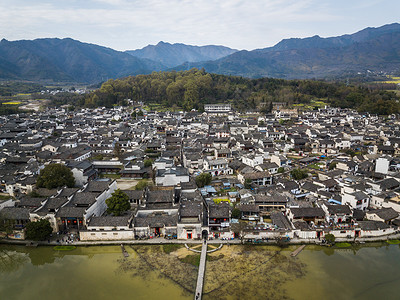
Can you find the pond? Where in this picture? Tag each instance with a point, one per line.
(235, 272)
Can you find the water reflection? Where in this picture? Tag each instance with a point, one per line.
(370, 271)
(11, 261)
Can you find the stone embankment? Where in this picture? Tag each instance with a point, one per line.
(158, 241)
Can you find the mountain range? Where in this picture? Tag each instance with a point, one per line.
(68, 60)
(374, 49)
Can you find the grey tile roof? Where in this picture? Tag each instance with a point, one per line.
(385, 214)
(71, 212)
(110, 221)
(339, 209)
(160, 196)
(279, 220)
(97, 186)
(372, 225)
(219, 211)
(308, 212)
(190, 209)
(133, 194)
(83, 198)
(15, 213)
(156, 220)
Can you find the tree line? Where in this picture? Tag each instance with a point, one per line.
(194, 88)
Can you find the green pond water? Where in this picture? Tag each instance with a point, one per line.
(246, 272)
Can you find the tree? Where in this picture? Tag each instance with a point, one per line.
(236, 213)
(142, 184)
(6, 225)
(55, 175)
(148, 163)
(248, 184)
(281, 169)
(239, 229)
(330, 238)
(298, 174)
(118, 203)
(38, 231)
(203, 179)
(332, 165)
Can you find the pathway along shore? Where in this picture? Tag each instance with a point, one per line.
(160, 241)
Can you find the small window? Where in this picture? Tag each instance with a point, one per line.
(115, 233)
(92, 234)
(104, 233)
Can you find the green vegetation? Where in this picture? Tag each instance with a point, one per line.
(64, 248)
(147, 163)
(142, 184)
(332, 165)
(393, 242)
(19, 88)
(191, 259)
(330, 238)
(316, 166)
(118, 203)
(38, 231)
(343, 245)
(168, 248)
(194, 88)
(247, 183)
(298, 174)
(236, 213)
(55, 175)
(203, 179)
(111, 176)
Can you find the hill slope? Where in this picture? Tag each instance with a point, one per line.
(172, 55)
(67, 60)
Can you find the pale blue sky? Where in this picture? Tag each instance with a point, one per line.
(240, 24)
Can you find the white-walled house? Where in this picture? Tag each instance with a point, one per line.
(108, 228)
(217, 167)
(356, 200)
(382, 165)
(253, 160)
(172, 176)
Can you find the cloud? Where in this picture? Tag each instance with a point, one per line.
(123, 24)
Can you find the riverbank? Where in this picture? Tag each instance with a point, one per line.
(161, 241)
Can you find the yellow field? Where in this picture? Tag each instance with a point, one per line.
(12, 103)
(314, 103)
(393, 79)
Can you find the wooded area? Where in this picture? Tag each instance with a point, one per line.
(193, 88)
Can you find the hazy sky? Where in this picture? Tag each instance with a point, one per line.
(240, 24)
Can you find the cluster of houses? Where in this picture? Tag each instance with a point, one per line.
(352, 188)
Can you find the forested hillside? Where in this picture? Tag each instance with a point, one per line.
(192, 89)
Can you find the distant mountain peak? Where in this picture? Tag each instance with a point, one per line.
(172, 55)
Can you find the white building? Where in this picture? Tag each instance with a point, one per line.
(217, 167)
(382, 165)
(217, 108)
